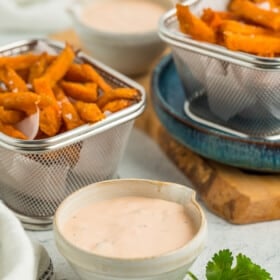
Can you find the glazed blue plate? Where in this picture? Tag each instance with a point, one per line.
(168, 98)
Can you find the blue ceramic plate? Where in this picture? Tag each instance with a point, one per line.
(168, 101)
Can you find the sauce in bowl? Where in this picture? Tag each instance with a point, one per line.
(130, 227)
(123, 16)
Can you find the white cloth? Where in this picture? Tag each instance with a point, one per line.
(19, 256)
(34, 15)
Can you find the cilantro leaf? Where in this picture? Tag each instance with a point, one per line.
(221, 267)
(245, 269)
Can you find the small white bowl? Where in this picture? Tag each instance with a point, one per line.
(128, 53)
(169, 266)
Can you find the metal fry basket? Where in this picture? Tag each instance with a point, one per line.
(227, 90)
(36, 175)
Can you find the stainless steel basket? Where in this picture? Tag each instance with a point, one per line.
(227, 90)
(36, 175)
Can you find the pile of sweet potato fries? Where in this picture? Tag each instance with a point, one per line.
(251, 26)
(64, 93)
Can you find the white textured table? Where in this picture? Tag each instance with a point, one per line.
(143, 159)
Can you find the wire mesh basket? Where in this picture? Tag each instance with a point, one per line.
(36, 175)
(227, 90)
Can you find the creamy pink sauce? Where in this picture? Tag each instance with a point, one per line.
(123, 16)
(130, 227)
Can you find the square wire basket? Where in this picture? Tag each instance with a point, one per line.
(36, 175)
(231, 91)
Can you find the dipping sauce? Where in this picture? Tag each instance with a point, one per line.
(130, 227)
(123, 16)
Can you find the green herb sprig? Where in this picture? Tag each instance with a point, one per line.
(221, 267)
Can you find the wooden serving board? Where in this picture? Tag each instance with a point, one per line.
(232, 194)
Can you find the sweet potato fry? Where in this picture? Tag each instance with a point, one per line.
(89, 112)
(22, 61)
(76, 74)
(10, 116)
(262, 1)
(117, 105)
(12, 80)
(23, 73)
(70, 115)
(254, 13)
(215, 18)
(50, 116)
(259, 44)
(58, 68)
(11, 131)
(95, 77)
(23, 101)
(18, 62)
(43, 88)
(231, 26)
(50, 120)
(85, 92)
(194, 26)
(38, 68)
(85, 73)
(118, 93)
(267, 4)
(275, 2)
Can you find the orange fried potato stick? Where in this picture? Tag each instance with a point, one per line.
(85, 73)
(117, 105)
(50, 120)
(194, 26)
(10, 116)
(274, 3)
(58, 68)
(18, 62)
(238, 36)
(23, 73)
(23, 101)
(70, 115)
(75, 74)
(232, 26)
(85, 92)
(43, 88)
(38, 68)
(22, 61)
(11, 131)
(252, 12)
(12, 80)
(270, 4)
(215, 18)
(118, 93)
(50, 115)
(95, 77)
(259, 44)
(89, 112)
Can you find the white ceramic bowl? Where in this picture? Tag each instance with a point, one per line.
(128, 53)
(171, 266)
